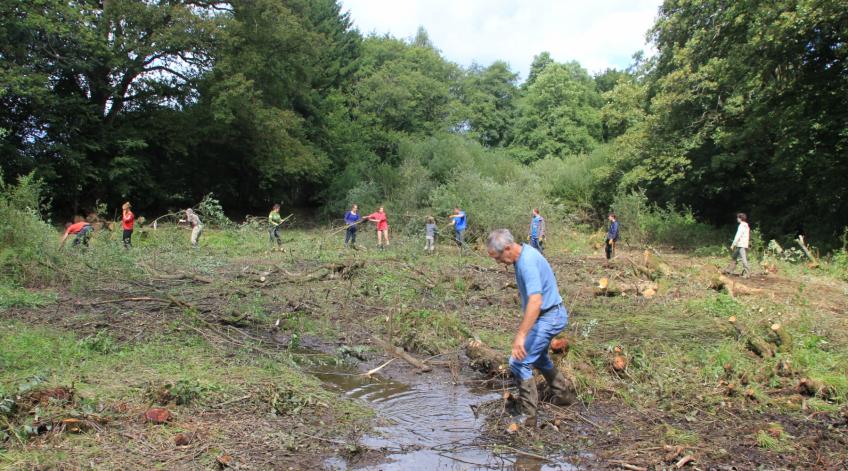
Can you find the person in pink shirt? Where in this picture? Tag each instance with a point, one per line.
(127, 224)
(382, 226)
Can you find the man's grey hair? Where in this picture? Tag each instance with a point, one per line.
(499, 239)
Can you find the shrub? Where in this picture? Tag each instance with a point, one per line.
(28, 247)
(643, 223)
(491, 205)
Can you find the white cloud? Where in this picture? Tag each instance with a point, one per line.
(598, 34)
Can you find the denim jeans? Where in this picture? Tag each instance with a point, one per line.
(83, 235)
(537, 342)
(350, 235)
(274, 234)
(537, 244)
(459, 237)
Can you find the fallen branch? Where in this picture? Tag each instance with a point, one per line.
(754, 343)
(684, 461)
(486, 359)
(781, 337)
(374, 371)
(625, 465)
(400, 353)
(123, 300)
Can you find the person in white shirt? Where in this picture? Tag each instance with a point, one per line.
(740, 246)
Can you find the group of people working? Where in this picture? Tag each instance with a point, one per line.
(82, 230)
(544, 315)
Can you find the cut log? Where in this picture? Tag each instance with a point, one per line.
(607, 287)
(486, 359)
(655, 264)
(754, 343)
(400, 353)
(781, 337)
(813, 388)
(560, 345)
(732, 287)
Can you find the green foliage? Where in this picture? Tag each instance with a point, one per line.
(429, 332)
(643, 223)
(28, 253)
(212, 213)
(751, 118)
(559, 114)
(100, 342)
(16, 297)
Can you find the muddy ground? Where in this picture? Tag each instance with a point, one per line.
(692, 392)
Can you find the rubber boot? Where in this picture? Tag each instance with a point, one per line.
(527, 402)
(559, 388)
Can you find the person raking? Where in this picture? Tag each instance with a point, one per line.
(459, 223)
(274, 223)
(537, 231)
(544, 316)
(351, 219)
(382, 226)
(612, 236)
(81, 229)
(196, 226)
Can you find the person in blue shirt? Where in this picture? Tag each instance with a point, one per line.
(351, 218)
(459, 224)
(612, 236)
(544, 316)
(537, 231)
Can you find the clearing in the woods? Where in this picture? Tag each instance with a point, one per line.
(317, 357)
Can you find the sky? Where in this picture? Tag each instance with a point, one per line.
(597, 33)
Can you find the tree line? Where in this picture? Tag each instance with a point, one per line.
(744, 107)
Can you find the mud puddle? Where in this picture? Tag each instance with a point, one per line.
(427, 422)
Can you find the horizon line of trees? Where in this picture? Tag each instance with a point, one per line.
(744, 107)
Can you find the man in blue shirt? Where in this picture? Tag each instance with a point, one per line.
(612, 236)
(544, 318)
(459, 224)
(537, 231)
(351, 218)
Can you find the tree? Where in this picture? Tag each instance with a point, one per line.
(750, 103)
(488, 97)
(559, 113)
(75, 71)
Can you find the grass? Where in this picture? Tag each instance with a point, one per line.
(16, 297)
(680, 349)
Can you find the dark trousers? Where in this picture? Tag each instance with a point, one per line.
(274, 235)
(127, 238)
(350, 235)
(609, 248)
(82, 236)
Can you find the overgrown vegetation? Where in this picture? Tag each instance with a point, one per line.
(293, 104)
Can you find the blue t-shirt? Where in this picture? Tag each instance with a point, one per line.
(460, 221)
(612, 234)
(535, 225)
(533, 275)
(351, 218)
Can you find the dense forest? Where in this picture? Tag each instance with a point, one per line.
(744, 107)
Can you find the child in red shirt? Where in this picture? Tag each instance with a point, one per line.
(382, 226)
(127, 223)
(82, 230)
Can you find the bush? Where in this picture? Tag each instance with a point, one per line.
(491, 205)
(574, 181)
(28, 246)
(643, 223)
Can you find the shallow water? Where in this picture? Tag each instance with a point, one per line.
(431, 424)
